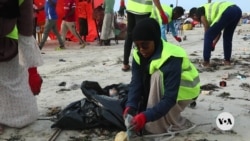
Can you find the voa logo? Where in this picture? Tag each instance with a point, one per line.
(225, 121)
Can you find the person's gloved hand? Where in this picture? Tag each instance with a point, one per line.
(129, 110)
(177, 38)
(213, 46)
(122, 8)
(164, 18)
(35, 81)
(139, 122)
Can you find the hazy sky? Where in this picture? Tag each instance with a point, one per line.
(188, 4)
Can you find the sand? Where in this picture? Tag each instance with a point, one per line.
(103, 64)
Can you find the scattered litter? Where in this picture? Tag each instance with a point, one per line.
(204, 92)
(52, 111)
(218, 131)
(224, 95)
(62, 60)
(223, 83)
(185, 38)
(245, 86)
(209, 87)
(14, 138)
(62, 90)
(213, 109)
(62, 84)
(241, 76)
(192, 105)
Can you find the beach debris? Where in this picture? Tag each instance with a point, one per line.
(52, 111)
(192, 105)
(62, 90)
(184, 38)
(13, 138)
(193, 54)
(209, 87)
(98, 133)
(223, 83)
(241, 76)
(218, 131)
(224, 95)
(62, 60)
(220, 108)
(205, 140)
(245, 86)
(246, 37)
(55, 135)
(121, 136)
(72, 86)
(204, 92)
(62, 83)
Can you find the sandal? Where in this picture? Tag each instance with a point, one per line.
(1, 129)
(126, 68)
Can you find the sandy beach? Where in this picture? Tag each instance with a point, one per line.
(103, 64)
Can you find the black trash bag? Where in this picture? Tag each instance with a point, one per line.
(112, 106)
(79, 115)
(98, 109)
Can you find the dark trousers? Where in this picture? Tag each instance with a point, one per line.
(83, 27)
(228, 21)
(132, 20)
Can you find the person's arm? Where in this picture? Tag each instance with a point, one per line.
(217, 38)
(172, 77)
(135, 87)
(205, 22)
(173, 31)
(158, 4)
(162, 13)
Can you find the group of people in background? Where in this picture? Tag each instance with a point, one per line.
(68, 21)
(164, 81)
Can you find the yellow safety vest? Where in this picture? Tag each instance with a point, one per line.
(156, 14)
(139, 6)
(213, 11)
(190, 82)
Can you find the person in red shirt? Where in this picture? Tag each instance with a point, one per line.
(69, 23)
(82, 17)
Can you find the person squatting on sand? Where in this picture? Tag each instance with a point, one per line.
(163, 83)
(215, 17)
(20, 80)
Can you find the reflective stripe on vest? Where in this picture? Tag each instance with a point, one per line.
(156, 14)
(190, 82)
(213, 11)
(139, 6)
(14, 33)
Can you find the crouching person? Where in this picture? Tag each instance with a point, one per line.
(163, 83)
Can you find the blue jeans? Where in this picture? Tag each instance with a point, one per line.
(163, 31)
